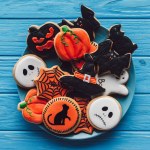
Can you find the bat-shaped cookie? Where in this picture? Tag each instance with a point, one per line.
(88, 22)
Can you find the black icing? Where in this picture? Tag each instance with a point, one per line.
(41, 33)
(121, 43)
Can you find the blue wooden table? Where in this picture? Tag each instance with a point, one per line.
(16, 16)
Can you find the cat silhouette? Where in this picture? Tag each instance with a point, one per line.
(60, 117)
(121, 43)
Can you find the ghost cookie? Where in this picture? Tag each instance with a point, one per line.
(112, 84)
(61, 115)
(104, 113)
(41, 39)
(27, 69)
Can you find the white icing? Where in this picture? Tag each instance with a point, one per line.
(112, 84)
(104, 119)
(31, 65)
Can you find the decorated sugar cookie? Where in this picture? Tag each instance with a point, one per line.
(84, 125)
(41, 39)
(104, 113)
(108, 61)
(88, 22)
(61, 115)
(27, 69)
(32, 107)
(72, 44)
(112, 84)
(84, 80)
(48, 84)
(121, 43)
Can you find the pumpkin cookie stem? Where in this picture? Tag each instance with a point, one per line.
(23, 105)
(65, 29)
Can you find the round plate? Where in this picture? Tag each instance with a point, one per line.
(125, 101)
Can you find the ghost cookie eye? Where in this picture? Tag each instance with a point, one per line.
(31, 67)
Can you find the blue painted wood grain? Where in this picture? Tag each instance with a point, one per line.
(16, 16)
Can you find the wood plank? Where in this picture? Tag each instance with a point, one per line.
(67, 9)
(16, 140)
(137, 117)
(142, 65)
(15, 31)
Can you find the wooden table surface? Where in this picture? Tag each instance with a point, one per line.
(16, 16)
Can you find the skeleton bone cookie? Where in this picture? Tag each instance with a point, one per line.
(113, 85)
(27, 69)
(104, 113)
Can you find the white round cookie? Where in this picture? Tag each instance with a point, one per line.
(113, 85)
(104, 112)
(27, 69)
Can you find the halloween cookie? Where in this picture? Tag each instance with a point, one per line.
(32, 107)
(84, 125)
(27, 69)
(48, 84)
(62, 115)
(112, 84)
(108, 60)
(41, 39)
(104, 113)
(121, 44)
(72, 44)
(83, 81)
(88, 22)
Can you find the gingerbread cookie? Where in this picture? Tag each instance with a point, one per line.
(121, 44)
(88, 22)
(32, 107)
(27, 69)
(114, 85)
(41, 39)
(62, 115)
(72, 44)
(48, 84)
(104, 113)
(84, 80)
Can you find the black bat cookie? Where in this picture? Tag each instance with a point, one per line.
(84, 84)
(121, 44)
(109, 61)
(41, 39)
(88, 22)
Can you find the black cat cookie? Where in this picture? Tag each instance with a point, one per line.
(40, 40)
(61, 115)
(88, 22)
(121, 43)
(83, 81)
(108, 60)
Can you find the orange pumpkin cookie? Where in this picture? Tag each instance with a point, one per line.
(32, 107)
(72, 44)
(48, 85)
(62, 115)
(84, 125)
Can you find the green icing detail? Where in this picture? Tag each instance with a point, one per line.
(23, 104)
(65, 29)
(29, 111)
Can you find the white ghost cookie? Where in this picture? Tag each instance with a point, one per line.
(112, 84)
(27, 69)
(104, 112)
